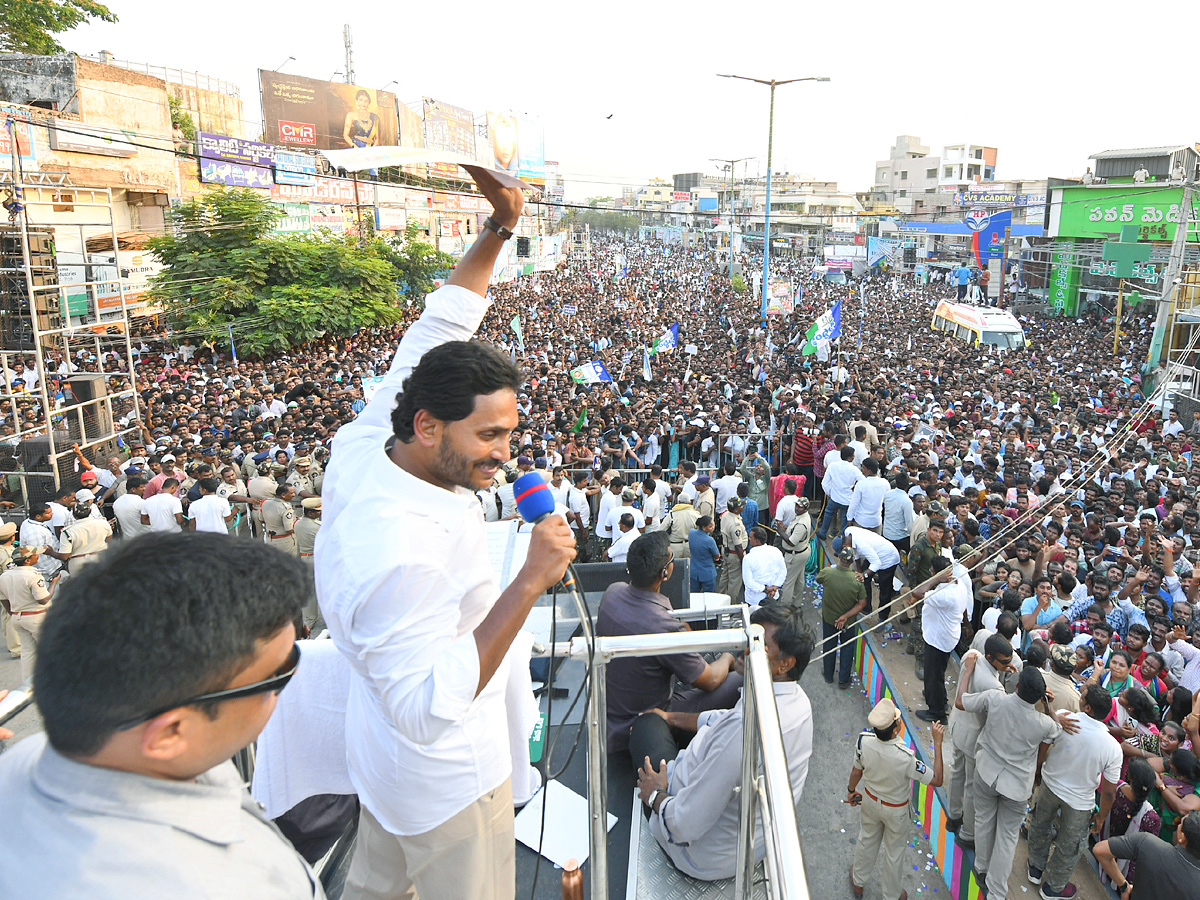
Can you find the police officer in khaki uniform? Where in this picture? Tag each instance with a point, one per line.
(279, 520)
(306, 530)
(307, 527)
(680, 523)
(8, 534)
(261, 487)
(24, 595)
(85, 538)
(795, 542)
(733, 543)
(301, 480)
(885, 768)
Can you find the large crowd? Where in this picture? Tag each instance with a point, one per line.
(1039, 495)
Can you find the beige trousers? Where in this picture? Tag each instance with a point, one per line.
(11, 639)
(28, 627)
(472, 855)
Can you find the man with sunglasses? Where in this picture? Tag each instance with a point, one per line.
(149, 679)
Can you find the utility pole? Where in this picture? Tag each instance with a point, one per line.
(772, 83)
(349, 55)
(1171, 275)
(731, 163)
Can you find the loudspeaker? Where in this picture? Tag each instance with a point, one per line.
(910, 256)
(90, 389)
(522, 246)
(34, 454)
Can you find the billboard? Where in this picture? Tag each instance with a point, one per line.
(24, 135)
(236, 150)
(502, 132)
(451, 128)
(326, 115)
(1102, 212)
(412, 134)
(533, 152)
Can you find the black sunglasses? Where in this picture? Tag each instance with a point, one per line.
(275, 683)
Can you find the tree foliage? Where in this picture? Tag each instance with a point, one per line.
(224, 267)
(602, 220)
(416, 262)
(29, 26)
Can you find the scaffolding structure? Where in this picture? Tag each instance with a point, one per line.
(66, 359)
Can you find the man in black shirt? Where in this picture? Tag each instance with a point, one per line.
(1165, 871)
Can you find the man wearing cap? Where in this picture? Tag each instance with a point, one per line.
(306, 529)
(680, 523)
(260, 488)
(763, 569)
(24, 594)
(885, 768)
(795, 542)
(232, 489)
(85, 538)
(706, 501)
(301, 479)
(279, 520)
(169, 470)
(979, 674)
(1006, 757)
(733, 544)
(843, 598)
(8, 534)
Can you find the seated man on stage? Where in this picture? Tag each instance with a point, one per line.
(691, 796)
(638, 684)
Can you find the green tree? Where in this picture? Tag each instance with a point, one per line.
(415, 261)
(224, 267)
(29, 26)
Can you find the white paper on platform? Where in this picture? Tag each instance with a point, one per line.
(507, 548)
(567, 835)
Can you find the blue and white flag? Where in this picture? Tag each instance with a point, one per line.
(669, 340)
(646, 364)
(232, 349)
(591, 373)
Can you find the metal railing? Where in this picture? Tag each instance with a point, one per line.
(170, 75)
(769, 789)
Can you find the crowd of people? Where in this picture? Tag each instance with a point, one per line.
(1033, 511)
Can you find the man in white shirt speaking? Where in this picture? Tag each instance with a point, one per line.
(409, 597)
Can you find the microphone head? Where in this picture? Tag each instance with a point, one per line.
(533, 496)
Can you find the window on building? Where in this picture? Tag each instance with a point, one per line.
(929, 190)
(972, 171)
(940, 210)
(979, 154)
(931, 173)
(902, 193)
(948, 172)
(903, 176)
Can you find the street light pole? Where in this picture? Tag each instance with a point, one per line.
(772, 83)
(731, 163)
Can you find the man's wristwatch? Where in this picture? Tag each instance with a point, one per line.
(654, 795)
(492, 225)
(1123, 888)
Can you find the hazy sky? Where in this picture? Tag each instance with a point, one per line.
(1047, 83)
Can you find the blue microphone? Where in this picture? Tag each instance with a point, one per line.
(534, 500)
(534, 503)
